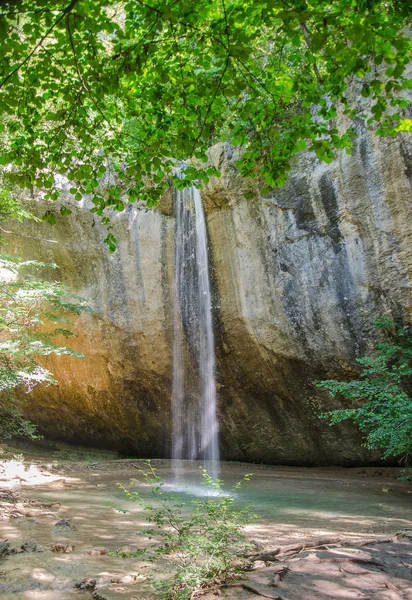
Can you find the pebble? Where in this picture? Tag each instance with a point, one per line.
(125, 580)
(97, 551)
(258, 564)
(86, 584)
(57, 483)
(98, 596)
(33, 546)
(64, 525)
(62, 547)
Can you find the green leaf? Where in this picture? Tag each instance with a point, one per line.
(50, 217)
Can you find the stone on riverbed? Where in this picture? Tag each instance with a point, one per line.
(257, 564)
(64, 525)
(57, 484)
(99, 596)
(98, 551)
(62, 547)
(4, 549)
(32, 546)
(86, 584)
(126, 579)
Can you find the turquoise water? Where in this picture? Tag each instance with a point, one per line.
(314, 498)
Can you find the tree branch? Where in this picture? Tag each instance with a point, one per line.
(31, 237)
(306, 36)
(79, 73)
(65, 12)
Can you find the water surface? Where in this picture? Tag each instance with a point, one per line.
(293, 504)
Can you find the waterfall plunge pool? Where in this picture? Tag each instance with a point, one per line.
(295, 504)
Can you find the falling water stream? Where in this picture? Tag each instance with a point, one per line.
(195, 425)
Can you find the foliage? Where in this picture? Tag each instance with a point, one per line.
(12, 421)
(203, 539)
(11, 208)
(386, 414)
(33, 316)
(92, 88)
(27, 306)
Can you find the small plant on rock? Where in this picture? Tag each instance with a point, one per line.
(201, 539)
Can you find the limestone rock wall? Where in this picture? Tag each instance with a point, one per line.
(301, 275)
(119, 395)
(298, 278)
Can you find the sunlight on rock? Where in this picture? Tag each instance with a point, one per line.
(15, 473)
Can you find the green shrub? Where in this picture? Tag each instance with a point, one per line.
(384, 387)
(202, 538)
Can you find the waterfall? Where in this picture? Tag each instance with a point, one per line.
(195, 425)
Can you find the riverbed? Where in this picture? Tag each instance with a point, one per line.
(292, 504)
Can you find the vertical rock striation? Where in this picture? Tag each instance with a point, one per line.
(301, 274)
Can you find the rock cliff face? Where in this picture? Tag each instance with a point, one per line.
(298, 278)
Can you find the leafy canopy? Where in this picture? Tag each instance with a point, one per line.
(386, 413)
(92, 87)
